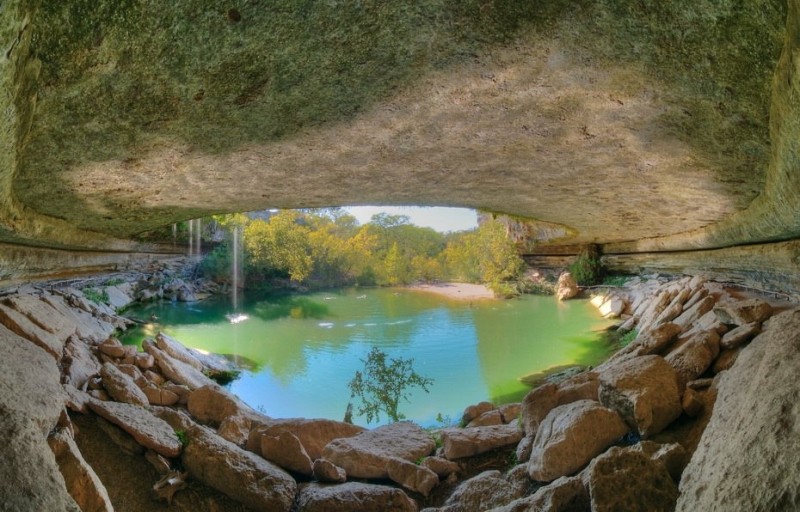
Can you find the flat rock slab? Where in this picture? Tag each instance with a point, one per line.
(466, 442)
(146, 429)
(242, 475)
(353, 497)
(412, 477)
(122, 387)
(367, 454)
(178, 371)
(570, 436)
(82, 482)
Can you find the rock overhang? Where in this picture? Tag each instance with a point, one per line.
(622, 121)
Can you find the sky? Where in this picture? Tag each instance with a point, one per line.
(437, 217)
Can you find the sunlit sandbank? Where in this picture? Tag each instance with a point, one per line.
(456, 291)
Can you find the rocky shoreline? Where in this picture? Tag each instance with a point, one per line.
(615, 437)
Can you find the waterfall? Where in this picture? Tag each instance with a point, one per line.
(191, 238)
(174, 234)
(197, 232)
(235, 268)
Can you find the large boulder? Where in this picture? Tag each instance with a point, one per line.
(148, 430)
(121, 387)
(78, 364)
(326, 471)
(314, 434)
(415, 478)
(567, 287)
(178, 371)
(570, 436)
(743, 312)
(353, 497)
(540, 401)
(242, 475)
(286, 451)
(31, 401)
(367, 454)
(177, 351)
(749, 454)
(740, 335)
(627, 479)
(82, 482)
(694, 356)
(644, 391)
(566, 494)
(213, 404)
(466, 442)
(488, 490)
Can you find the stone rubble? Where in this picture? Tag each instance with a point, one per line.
(571, 431)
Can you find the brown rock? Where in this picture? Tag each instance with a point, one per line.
(570, 436)
(725, 360)
(212, 404)
(567, 287)
(441, 466)
(235, 429)
(523, 451)
(78, 363)
(700, 383)
(411, 476)
(154, 377)
(112, 347)
(740, 335)
(644, 391)
(536, 405)
(242, 475)
(286, 451)
(144, 360)
(459, 443)
(566, 494)
(353, 497)
(146, 429)
(493, 417)
(488, 490)
(627, 479)
(743, 312)
(691, 402)
(694, 355)
(176, 350)
(22, 325)
(673, 456)
(181, 390)
(77, 400)
(159, 396)
(367, 454)
(99, 394)
(326, 471)
(158, 462)
(82, 482)
(314, 434)
(178, 371)
(473, 411)
(511, 412)
(121, 387)
(692, 314)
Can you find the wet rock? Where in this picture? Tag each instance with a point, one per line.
(411, 476)
(749, 430)
(644, 391)
(314, 434)
(81, 481)
(286, 451)
(326, 471)
(240, 474)
(460, 443)
(567, 287)
(627, 479)
(146, 429)
(570, 436)
(367, 454)
(121, 387)
(353, 497)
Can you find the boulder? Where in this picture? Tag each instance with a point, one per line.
(459, 443)
(627, 479)
(493, 417)
(144, 360)
(82, 323)
(570, 436)
(82, 482)
(673, 456)
(536, 405)
(749, 454)
(212, 404)
(77, 400)
(159, 396)
(236, 429)
(743, 312)
(411, 476)
(326, 471)
(692, 314)
(740, 335)
(694, 355)
(691, 402)
(119, 296)
(367, 454)
(476, 410)
(178, 371)
(566, 494)
(78, 363)
(510, 412)
(644, 391)
(121, 387)
(314, 434)
(612, 307)
(286, 451)
(353, 497)
(21, 324)
(176, 350)
(244, 476)
(441, 466)
(488, 490)
(112, 347)
(725, 360)
(567, 287)
(146, 429)
(31, 401)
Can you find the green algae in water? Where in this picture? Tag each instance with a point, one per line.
(303, 349)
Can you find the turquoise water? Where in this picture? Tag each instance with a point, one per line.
(304, 349)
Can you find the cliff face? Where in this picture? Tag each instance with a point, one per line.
(644, 125)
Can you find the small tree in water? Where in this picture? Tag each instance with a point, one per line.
(383, 383)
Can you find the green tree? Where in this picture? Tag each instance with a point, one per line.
(383, 383)
(280, 245)
(483, 255)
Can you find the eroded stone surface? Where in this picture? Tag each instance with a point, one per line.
(353, 497)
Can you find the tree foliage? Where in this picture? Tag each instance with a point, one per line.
(383, 383)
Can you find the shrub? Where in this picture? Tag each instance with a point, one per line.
(587, 269)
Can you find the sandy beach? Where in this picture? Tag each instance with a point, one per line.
(456, 291)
